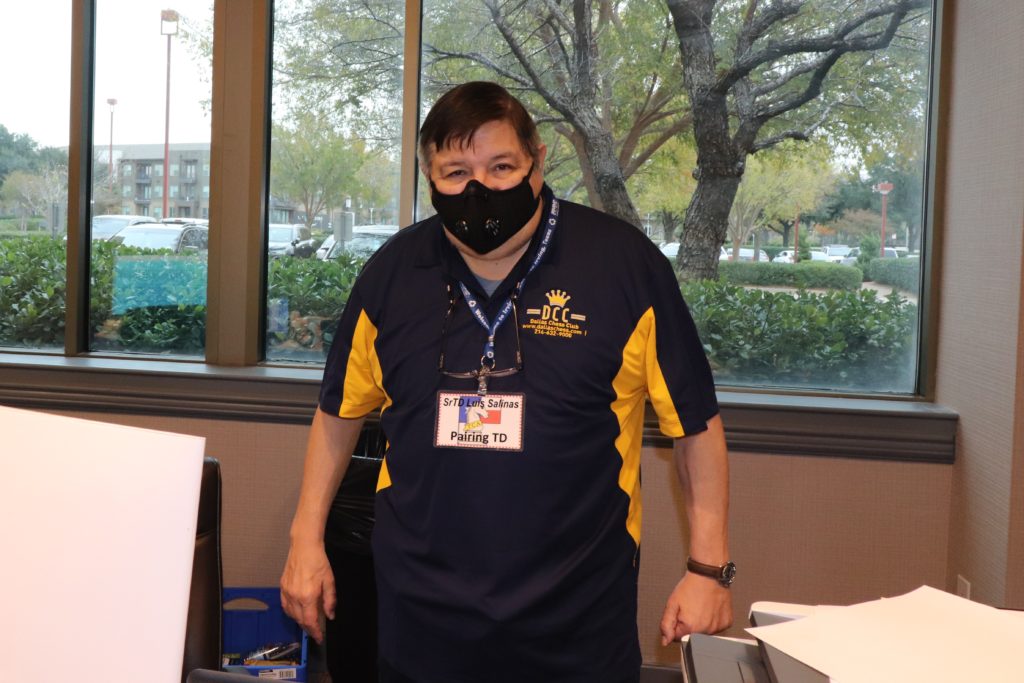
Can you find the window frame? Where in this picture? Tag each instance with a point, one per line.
(233, 383)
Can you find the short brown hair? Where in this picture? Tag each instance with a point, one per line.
(460, 112)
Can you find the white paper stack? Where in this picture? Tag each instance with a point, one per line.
(925, 635)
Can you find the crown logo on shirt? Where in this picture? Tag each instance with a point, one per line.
(557, 297)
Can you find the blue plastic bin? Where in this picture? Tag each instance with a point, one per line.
(249, 625)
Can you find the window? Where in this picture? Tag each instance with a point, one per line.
(334, 159)
(34, 179)
(336, 153)
(149, 296)
(843, 168)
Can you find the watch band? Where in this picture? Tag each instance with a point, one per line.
(724, 574)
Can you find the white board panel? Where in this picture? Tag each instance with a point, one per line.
(97, 534)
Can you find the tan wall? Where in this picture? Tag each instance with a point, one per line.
(808, 530)
(980, 319)
(814, 530)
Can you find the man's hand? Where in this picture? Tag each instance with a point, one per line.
(307, 587)
(697, 605)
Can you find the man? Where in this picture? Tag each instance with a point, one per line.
(510, 343)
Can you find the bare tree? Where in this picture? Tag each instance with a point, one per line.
(772, 89)
(612, 100)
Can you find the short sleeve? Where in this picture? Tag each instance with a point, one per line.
(352, 385)
(679, 379)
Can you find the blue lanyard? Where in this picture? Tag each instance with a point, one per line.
(474, 306)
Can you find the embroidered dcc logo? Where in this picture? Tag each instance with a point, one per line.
(555, 318)
(557, 297)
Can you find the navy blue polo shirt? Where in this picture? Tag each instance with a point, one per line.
(517, 565)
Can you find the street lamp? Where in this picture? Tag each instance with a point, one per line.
(110, 161)
(168, 27)
(883, 188)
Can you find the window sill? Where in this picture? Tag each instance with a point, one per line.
(830, 426)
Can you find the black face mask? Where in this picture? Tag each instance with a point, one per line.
(483, 219)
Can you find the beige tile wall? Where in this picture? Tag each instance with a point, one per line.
(815, 530)
(978, 369)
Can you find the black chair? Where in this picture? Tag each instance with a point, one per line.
(351, 638)
(203, 629)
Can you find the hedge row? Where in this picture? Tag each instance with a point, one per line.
(838, 339)
(806, 274)
(901, 273)
(151, 303)
(146, 301)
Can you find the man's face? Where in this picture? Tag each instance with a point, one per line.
(495, 158)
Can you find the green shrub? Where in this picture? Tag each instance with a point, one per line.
(901, 273)
(853, 340)
(804, 251)
(32, 292)
(306, 297)
(809, 274)
(773, 251)
(869, 245)
(148, 301)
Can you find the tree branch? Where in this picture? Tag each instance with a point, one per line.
(802, 135)
(554, 100)
(839, 40)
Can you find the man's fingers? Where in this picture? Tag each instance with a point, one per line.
(330, 596)
(668, 624)
(310, 620)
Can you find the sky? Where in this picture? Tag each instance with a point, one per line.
(131, 66)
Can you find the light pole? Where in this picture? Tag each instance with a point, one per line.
(110, 161)
(168, 27)
(883, 188)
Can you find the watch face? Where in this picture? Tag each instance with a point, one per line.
(728, 574)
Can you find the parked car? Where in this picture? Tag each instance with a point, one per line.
(366, 239)
(324, 248)
(179, 220)
(819, 255)
(284, 239)
(670, 249)
(106, 226)
(836, 252)
(180, 238)
(851, 258)
(746, 254)
(784, 256)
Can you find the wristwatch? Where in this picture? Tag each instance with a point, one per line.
(723, 575)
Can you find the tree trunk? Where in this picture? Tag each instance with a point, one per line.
(704, 227)
(719, 162)
(609, 183)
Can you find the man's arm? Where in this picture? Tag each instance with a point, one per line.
(699, 604)
(307, 584)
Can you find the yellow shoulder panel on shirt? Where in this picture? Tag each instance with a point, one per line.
(363, 389)
(364, 382)
(639, 376)
(384, 478)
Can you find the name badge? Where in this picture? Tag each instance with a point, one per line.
(468, 420)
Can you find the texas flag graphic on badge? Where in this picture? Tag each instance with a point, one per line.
(491, 422)
(474, 415)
